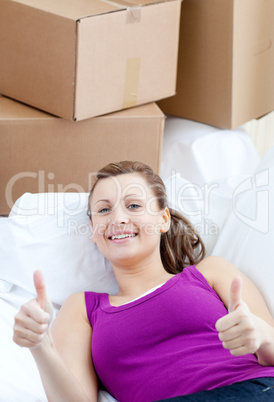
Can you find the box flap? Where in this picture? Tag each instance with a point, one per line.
(70, 9)
(84, 8)
(145, 111)
(12, 110)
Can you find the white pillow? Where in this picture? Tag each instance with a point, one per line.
(54, 236)
(206, 206)
(247, 238)
(203, 153)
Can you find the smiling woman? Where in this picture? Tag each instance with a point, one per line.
(179, 326)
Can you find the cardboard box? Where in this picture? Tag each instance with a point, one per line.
(42, 153)
(86, 58)
(226, 62)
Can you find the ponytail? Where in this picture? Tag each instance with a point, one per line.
(181, 245)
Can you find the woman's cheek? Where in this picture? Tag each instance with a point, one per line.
(98, 231)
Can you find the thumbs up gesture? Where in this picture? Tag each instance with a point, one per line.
(42, 297)
(235, 294)
(31, 325)
(239, 330)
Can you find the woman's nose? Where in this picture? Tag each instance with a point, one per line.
(119, 215)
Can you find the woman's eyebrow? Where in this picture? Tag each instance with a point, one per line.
(134, 195)
(127, 196)
(101, 201)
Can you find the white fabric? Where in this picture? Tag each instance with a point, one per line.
(247, 238)
(56, 240)
(205, 206)
(146, 293)
(202, 153)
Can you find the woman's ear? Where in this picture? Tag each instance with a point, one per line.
(166, 220)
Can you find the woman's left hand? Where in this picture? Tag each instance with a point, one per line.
(240, 331)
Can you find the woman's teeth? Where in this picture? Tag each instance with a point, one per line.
(122, 236)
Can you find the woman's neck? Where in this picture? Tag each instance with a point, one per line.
(135, 281)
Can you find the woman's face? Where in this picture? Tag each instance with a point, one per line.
(126, 219)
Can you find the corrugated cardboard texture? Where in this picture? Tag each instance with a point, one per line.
(226, 62)
(71, 58)
(42, 153)
(253, 60)
(37, 49)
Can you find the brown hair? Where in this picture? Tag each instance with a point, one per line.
(181, 245)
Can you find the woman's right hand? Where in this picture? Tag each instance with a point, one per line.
(62, 352)
(31, 327)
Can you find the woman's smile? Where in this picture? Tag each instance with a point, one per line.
(120, 236)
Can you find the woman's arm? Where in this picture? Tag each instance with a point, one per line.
(248, 327)
(62, 353)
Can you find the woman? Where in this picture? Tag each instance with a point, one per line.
(180, 324)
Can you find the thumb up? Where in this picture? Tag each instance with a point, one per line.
(32, 322)
(238, 329)
(41, 292)
(235, 294)
(39, 283)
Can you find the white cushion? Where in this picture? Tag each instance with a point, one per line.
(205, 206)
(55, 237)
(203, 153)
(247, 238)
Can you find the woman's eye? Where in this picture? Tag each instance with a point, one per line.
(104, 210)
(134, 206)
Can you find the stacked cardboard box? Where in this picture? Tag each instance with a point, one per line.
(226, 62)
(78, 60)
(43, 153)
(86, 58)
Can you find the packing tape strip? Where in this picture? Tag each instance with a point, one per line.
(131, 82)
(261, 46)
(123, 3)
(133, 15)
(133, 10)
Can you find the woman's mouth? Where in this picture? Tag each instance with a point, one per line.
(122, 236)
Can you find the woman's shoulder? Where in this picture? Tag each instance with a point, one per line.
(72, 315)
(212, 262)
(75, 300)
(215, 268)
(80, 300)
(74, 307)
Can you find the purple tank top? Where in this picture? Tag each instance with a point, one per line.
(165, 344)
